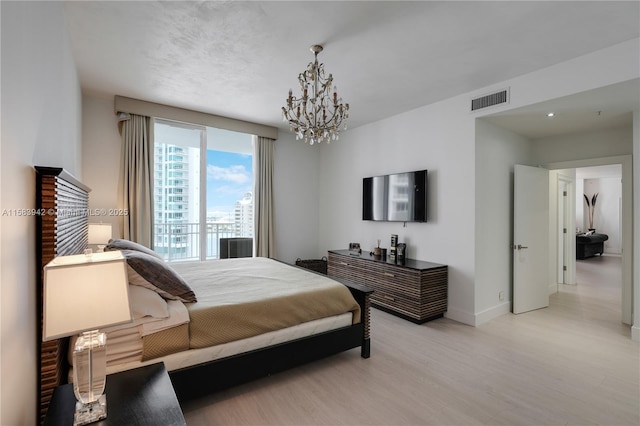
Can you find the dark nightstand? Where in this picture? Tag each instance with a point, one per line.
(142, 396)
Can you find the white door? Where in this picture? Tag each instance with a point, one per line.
(530, 239)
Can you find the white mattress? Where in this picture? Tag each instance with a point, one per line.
(125, 345)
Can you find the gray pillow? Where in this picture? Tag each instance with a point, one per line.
(120, 244)
(156, 274)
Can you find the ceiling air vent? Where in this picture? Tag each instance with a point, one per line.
(492, 99)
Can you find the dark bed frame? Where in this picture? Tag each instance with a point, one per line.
(202, 379)
(65, 234)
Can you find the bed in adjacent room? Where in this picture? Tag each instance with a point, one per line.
(214, 324)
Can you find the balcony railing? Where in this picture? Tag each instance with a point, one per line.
(181, 241)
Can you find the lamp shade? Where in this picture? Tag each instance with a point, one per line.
(84, 292)
(99, 233)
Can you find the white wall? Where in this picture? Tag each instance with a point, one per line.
(41, 125)
(438, 137)
(101, 158)
(296, 182)
(497, 150)
(584, 145)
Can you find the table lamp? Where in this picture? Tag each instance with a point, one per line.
(81, 294)
(99, 234)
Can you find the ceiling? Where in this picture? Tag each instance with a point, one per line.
(239, 59)
(597, 109)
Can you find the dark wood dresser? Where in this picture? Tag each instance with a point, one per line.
(415, 290)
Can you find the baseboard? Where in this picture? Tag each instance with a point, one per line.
(479, 318)
(635, 333)
(491, 313)
(460, 316)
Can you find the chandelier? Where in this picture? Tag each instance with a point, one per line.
(317, 115)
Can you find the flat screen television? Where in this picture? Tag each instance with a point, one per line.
(400, 197)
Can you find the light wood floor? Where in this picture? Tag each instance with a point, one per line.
(572, 363)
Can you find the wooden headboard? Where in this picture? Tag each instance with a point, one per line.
(62, 206)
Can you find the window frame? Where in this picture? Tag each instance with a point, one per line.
(202, 193)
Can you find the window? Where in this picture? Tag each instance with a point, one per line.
(203, 189)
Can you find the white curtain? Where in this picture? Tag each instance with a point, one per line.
(137, 174)
(264, 229)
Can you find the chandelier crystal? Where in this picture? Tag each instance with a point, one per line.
(318, 114)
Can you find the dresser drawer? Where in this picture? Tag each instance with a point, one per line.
(396, 303)
(352, 269)
(395, 280)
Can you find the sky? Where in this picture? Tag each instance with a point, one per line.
(229, 162)
(229, 178)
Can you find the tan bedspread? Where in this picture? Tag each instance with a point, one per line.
(240, 298)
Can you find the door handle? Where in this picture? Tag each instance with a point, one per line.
(520, 247)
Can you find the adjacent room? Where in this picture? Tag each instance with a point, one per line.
(323, 213)
(602, 207)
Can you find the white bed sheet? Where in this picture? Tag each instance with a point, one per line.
(128, 347)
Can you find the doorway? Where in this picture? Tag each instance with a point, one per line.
(624, 208)
(583, 140)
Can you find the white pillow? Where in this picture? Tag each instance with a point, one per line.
(145, 302)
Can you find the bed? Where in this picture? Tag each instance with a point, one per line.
(199, 361)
